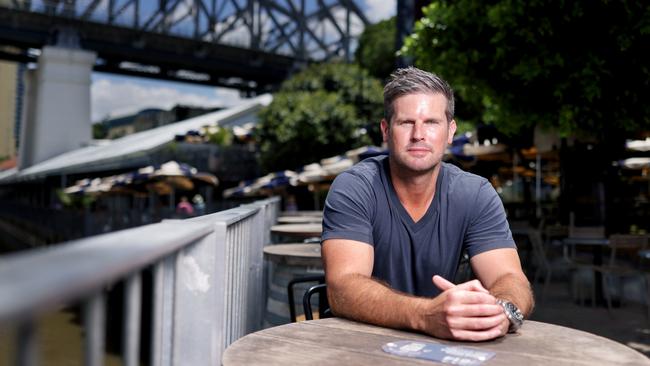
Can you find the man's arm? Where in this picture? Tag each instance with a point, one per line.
(463, 312)
(499, 270)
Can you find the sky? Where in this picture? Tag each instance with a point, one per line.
(115, 95)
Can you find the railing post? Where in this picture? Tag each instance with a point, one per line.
(196, 321)
(163, 310)
(132, 314)
(95, 325)
(26, 344)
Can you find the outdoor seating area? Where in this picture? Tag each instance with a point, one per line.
(574, 270)
(295, 266)
(291, 268)
(597, 270)
(177, 176)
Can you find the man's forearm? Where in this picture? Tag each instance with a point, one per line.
(364, 299)
(516, 289)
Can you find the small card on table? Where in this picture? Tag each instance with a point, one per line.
(453, 355)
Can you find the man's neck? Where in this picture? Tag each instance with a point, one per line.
(415, 190)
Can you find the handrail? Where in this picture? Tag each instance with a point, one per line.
(33, 281)
(207, 280)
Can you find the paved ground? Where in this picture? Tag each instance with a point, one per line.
(60, 342)
(627, 324)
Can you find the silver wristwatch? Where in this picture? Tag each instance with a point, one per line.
(514, 315)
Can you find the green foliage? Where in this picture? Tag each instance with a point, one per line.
(99, 131)
(74, 201)
(581, 66)
(222, 137)
(376, 51)
(303, 127)
(64, 198)
(318, 113)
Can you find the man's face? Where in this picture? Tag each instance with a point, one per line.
(419, 132)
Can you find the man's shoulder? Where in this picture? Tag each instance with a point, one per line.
(367, 170)
(455, 176)
(459, 182)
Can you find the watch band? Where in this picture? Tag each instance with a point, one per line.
(515, 316)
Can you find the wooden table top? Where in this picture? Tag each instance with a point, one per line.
(300, 220)
(297, 254)
(302, 213)
(298, 230)
(336, 341)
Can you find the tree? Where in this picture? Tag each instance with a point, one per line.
(376, 51)
(581, 67)
(320, 112)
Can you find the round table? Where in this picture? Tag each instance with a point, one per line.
(300, 220)
(336, 341)
(302, 213)
(294, 254)
(298, 230)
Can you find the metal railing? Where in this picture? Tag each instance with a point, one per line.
(207, 285)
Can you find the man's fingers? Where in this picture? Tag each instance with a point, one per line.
(473, 335)
(476, 323)
(474, 285)
(442, 283)
(475, 310)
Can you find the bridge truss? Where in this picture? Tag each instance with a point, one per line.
(251, 45)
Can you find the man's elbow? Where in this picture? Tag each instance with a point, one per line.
(339, 290)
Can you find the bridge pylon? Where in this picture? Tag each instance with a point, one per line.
(56, 115)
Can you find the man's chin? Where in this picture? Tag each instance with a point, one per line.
(418, 167)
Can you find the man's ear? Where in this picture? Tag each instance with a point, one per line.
(452, 131)
(384, 129)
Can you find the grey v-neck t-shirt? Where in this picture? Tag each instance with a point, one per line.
(465, 213)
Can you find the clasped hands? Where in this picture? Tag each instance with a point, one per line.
(464, 312)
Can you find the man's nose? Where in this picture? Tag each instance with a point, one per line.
(417, 133)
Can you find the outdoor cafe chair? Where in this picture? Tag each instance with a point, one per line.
(324, 310)
(623, 263)
(542, 263)
(290, 292)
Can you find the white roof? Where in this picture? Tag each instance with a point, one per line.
(106, 155)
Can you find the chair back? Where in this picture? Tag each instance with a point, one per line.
(584, 231)
(324, 310)
(625, 242)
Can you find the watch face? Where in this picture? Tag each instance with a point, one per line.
(513, 312)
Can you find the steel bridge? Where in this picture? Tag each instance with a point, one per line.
(251, 45)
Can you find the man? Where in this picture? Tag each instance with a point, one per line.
(394, 229)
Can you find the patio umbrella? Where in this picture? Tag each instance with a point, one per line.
(638, 145)
(635, 163)
(262, 185)
(161, 179)
(175, 175)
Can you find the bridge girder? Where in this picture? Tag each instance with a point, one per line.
(251, 45)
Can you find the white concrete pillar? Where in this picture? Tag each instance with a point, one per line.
(57, 108)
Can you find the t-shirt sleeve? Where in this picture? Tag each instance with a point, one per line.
(348, 210)
(488, 227)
